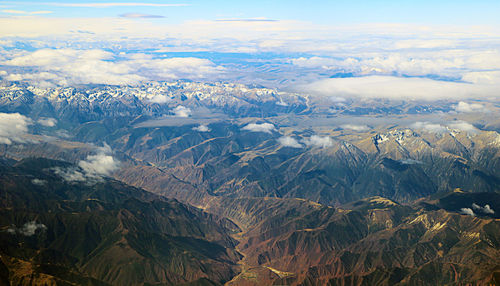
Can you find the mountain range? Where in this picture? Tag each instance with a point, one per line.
(188, 183)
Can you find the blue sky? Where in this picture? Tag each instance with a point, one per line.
(457, 12)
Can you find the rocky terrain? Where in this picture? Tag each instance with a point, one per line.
(213, 184)
(60, 232)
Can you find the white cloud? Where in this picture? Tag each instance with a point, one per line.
(482, 77)
(13, 128)
(439, 59)
(316, 62)
(47, 121)
(424, 44)
(358, 128)
(28, 229)
(288, 141)
(68, 66)
(363, 49)
(397, 88)
(100, 164)
(181, 111)
(94, 66)
(263, 127)
(410, 161)
(430, 127)
(451, 126)
(173, 68)
(38, 182)
(71, 174)
(246, 20)
(92, 169)
(318, 141)
(469, 107)
(140, 16)
(201, 128)
(463, 126)
(19, 12)
(393, 63)
(160, 98)
(467, 211)
(486, 209)
(115, 4)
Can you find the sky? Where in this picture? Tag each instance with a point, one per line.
(316, 47)
(457, 12)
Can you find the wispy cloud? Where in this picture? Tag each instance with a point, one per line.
(246, 20)
(456, 126)
(430, 127)
(460, 125)
(83, 32)
(113, 4)
(410, 162)
(139, 16)
(38, 182)
(20, 12)
(355, 127)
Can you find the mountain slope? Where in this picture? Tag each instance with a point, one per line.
(105, 232)
(374, 241)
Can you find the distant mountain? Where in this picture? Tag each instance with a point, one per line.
(104, 232)
(74, 106)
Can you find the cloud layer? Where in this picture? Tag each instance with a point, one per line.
(398, 61)
(95, 66)
(398, 88)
